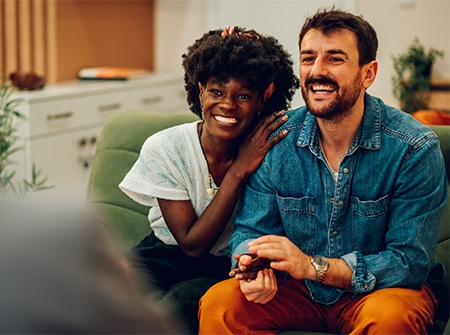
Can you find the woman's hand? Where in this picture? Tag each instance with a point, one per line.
(249, 266)
(256, 144)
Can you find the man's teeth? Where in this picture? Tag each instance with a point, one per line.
(223, 119)
(322, 89)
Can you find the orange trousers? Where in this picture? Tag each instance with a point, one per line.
(225, 310)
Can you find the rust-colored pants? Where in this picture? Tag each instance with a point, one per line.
(225, 310)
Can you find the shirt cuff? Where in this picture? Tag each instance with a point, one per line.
(363, 281)
(242, 248)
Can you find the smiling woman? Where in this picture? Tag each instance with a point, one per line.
(237, 82)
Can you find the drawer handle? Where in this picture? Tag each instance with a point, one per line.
(151, 100)
(110, 107)
(59, 116)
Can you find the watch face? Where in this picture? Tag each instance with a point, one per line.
(320, 261)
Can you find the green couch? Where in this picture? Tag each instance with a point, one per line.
(118, 148)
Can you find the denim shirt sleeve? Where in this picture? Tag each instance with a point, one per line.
(363, 281)
(415, 215)
(242, 248)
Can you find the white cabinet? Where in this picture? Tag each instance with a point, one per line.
(65, 120)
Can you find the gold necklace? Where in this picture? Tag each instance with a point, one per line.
(211, 191)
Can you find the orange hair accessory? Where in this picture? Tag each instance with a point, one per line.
(233, 31)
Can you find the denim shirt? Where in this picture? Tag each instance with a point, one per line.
(383, 214)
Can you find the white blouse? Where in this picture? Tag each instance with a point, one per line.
(172, 166)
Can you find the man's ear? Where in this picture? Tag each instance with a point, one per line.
(370, 72)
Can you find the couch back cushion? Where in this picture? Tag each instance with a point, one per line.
(118, 148)
(443, 247)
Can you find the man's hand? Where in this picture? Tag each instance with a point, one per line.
(284, 256)
(262, 289)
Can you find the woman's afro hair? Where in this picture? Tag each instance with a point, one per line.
(252, 58)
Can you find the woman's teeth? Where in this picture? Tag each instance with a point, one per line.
(223, 119)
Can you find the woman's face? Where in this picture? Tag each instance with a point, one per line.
(228, 107)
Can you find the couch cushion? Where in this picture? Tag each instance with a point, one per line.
(443, 247)
(118, 148)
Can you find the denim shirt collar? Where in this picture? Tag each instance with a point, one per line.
(368, 136)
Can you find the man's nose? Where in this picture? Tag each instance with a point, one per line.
(319, 68)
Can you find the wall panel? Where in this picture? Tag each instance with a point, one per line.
(55, 39)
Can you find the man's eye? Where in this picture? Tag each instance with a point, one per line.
(335, 60)
(307, 59)
(243, 96)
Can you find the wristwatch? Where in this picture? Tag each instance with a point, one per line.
(320, 263)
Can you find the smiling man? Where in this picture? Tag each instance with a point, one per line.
(348, 205)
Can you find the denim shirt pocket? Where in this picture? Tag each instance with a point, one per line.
(369, 223)
(299, 220)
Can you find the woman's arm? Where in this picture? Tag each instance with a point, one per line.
(197, 235)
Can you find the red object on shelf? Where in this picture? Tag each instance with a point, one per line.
(432, 117)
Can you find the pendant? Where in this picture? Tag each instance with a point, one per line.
(211, 192)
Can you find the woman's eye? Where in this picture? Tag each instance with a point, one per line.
(243, 96)
(215, 92)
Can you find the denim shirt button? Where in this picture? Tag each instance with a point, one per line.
(345, 170)
(331, 199)
(340, 203)
(334, 233)
(366, 285)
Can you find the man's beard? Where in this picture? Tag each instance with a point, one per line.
(339, 107)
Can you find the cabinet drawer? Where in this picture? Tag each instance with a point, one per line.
(102, 106)
(157, 99)
(57, 115)
(50, 116)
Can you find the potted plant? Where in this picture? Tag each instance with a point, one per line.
(412, 76)
(9, 114)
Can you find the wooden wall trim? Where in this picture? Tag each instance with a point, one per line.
(51, 50)
(38, 37)
(10, 38)
(24, 33)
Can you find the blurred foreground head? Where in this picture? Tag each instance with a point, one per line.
(60, 273)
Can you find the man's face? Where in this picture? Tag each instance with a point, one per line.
(331, 78)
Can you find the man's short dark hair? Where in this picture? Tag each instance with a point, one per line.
(333, 20)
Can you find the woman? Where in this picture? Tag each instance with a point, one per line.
(192, 175)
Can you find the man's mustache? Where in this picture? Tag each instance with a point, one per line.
(321, 81)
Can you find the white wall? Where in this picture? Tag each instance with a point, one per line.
(177, 24)
(397, 22)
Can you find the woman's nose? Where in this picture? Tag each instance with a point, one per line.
(227, 102)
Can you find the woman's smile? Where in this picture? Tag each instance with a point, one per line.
(226, 120)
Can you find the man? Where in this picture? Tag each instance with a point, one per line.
(348, 205)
